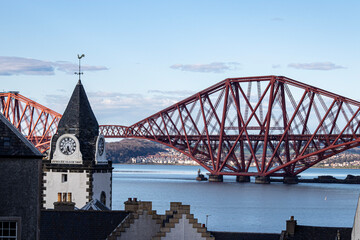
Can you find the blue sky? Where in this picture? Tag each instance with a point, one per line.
(142, 56)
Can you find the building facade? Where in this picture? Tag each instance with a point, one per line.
(20, 178)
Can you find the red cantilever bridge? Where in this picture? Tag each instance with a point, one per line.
(279, 125)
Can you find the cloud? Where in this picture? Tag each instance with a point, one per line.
(16, 65)
(70, 68)
(27, 66)
(57, 102)
(215, 67)
(113, 100)
(325, 66)
(185, 93)
(127, 109)
(276, 66)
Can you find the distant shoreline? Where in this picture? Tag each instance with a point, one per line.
(200, 165)
(157, 164)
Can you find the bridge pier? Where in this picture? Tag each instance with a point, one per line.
(262, 179)
(242, 179)
(291, 180)
(215, 178)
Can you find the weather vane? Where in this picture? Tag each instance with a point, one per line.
(79, 73)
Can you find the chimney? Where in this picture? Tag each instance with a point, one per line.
(290, 226)
(64, 206)
(131, 205)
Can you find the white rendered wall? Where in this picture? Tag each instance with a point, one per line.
(76, 185)
(183, 231)
(355, 234)
(102, 182)
(143, 228)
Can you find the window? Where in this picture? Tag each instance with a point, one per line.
(9, 228)
(103, 198)
(63, 177)
(6, 142)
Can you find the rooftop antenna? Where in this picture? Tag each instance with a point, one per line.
(80, 73)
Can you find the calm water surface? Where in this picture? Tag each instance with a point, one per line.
(241, 207)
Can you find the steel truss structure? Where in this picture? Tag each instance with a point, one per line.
(36, 122)
(254, 126)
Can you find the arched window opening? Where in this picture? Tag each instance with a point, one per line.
(103, 198)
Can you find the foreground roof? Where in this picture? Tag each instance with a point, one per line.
(13, 143)
(95, 205)
(79, 224)
(245, 236)
(320, 233)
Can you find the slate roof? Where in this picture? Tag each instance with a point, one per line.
(78, 113)
(13, 143)
(79, 119)
(245, 236)
(95, 205)
(79, 224)
(320, 233)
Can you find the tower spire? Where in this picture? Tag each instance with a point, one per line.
(80, 73)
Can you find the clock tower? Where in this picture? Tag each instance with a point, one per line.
(77, 170)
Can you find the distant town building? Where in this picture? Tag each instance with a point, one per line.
(77, 170)
(170, 156)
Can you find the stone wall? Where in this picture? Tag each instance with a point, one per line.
(20, 193)
(143, 226)
(183, 230)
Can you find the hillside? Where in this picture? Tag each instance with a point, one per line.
(122, 151)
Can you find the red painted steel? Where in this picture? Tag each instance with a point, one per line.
(281, 127)
(36, 122)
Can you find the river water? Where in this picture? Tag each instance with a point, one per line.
(240, 207)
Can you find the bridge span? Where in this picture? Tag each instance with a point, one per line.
(279, 125)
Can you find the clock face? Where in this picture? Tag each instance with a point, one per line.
(67, 145)
(101, 145)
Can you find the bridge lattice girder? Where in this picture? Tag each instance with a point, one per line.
(36, 122)
(276, 125)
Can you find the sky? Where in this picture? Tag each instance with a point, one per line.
(143, 56)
